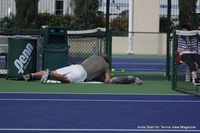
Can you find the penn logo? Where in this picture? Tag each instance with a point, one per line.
(23, 59)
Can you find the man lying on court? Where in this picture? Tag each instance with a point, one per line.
(92, 67)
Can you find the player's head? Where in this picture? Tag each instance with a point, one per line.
(198, 27)
(185, 27)
(106, 57)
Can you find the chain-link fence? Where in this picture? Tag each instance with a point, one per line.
(5, 34)
(81, 45)
(182, 77)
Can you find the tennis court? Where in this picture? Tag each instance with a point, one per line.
(29, 107)
(54, 113)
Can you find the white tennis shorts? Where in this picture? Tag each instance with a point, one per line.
(75, 73)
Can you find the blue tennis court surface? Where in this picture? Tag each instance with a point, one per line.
(139, 64)
(78, 113)
(133, 64)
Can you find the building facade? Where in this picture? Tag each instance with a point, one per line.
(58, 7)
(67, 7)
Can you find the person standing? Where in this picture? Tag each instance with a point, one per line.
(189, 52)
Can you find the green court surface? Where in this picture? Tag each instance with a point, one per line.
(153, 83)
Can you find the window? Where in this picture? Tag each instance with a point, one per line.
(72, 3)
(100, 3)
(59, 7)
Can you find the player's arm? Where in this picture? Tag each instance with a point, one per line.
(103, 78)
(179, 51)
(84, 61)
(107, 77)
(107, 74)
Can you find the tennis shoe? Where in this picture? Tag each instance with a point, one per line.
(45, 76)
(196, 81)
(138, 81)
(27, 77)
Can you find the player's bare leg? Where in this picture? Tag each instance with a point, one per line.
(31, 76)
(38, 74)
(59, 77)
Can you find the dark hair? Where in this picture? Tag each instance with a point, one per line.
(198, 27)
(106, 57)
(185, 26)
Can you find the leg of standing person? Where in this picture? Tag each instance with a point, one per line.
(189, 60)
(197, 60)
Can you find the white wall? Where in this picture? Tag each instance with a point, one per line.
(146, 44)
(7, 7)
(46, 6)
(146, 39)
(146, 15)
(43, 6)
(145, 19)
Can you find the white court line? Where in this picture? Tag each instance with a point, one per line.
(128, 94)
(94, 100)
(116, 94)
(123, 94)
(100, 130)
